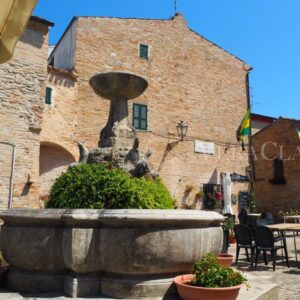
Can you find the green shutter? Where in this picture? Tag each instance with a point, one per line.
(48, 95)
(139, 116)
(144, 51)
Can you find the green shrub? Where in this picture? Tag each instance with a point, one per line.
(101, 186)
(209, 273)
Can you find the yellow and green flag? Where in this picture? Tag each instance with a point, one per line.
(244, 128)
(14, 15)
(298, 132)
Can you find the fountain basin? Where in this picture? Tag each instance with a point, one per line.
(119, 253)
(113, 85)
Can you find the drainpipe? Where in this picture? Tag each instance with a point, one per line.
(11, 172)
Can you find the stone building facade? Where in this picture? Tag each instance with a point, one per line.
(190, 79)
(277, 165)
(22, 91)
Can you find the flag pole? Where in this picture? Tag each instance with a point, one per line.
(250, 154)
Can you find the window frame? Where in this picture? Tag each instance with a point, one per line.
(140, 52)
(48, 97)
(139, 118)
(278, 172)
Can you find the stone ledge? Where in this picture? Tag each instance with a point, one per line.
(259, 290)
(14, 216)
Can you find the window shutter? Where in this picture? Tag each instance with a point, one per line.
(48, 95)
(144, 51)
(139, 116)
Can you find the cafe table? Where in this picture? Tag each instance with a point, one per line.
(295, 218)
(257, 215)
(283, 227)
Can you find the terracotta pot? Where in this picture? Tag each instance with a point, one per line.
(188, 292)
(232, 239)
(225, 259)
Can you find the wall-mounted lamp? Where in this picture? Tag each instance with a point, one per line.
(29, 180)
(249, 172)
(182, 128)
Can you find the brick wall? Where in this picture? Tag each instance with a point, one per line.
(189, 78)
(54, 161)
(60, 117)
(278, 140)
(22, 88)
(58, 137)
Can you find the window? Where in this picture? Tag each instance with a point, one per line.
(139, 118)
(278, 168)
(144, 51)
(48, 97)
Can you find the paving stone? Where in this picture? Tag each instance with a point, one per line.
(286, 278)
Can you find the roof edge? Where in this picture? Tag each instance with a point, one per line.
(70, 74)
(75, 18)
(41, 20)
(247, 67)
(263, 118)
(276, 121)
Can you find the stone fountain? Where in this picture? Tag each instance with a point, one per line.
(122, 253)
(118, 142)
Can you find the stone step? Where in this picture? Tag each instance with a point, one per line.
(260, 288)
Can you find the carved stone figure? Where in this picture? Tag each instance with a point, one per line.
(118, 142)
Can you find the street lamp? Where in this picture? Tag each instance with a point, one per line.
(182, 128)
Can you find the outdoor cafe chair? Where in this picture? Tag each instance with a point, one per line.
(242, 216)
(244, 239)
(264, 222)
(265, 242)
(268, 217)
(251, 223)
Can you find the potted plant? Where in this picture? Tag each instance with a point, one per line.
(225, 259)
(210, 281)
(228, 234)
(228, 226)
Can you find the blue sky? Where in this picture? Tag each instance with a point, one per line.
(264, 33)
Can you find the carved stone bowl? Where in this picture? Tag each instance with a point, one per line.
(114, 85)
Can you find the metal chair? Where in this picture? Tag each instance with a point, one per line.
(267, 218)
(265, 242)
(244, 239)
(243, 216)
(251, 222)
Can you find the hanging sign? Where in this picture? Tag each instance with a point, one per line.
(204, 147)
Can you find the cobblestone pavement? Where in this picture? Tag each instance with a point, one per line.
(288, 279)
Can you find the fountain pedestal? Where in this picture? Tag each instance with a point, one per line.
(118, 142)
